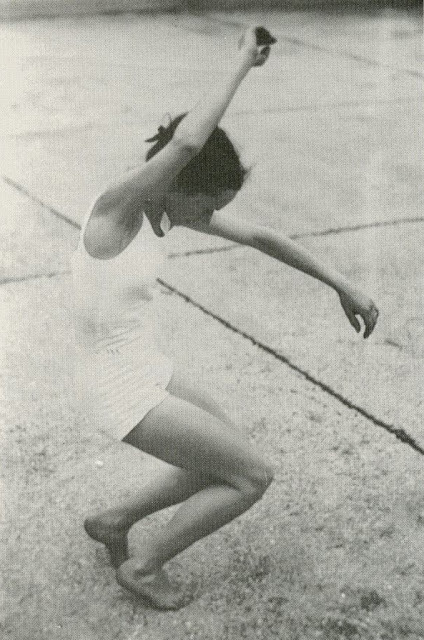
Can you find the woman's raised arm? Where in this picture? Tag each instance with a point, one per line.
(191, 134)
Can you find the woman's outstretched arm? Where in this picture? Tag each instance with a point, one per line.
(282, 248)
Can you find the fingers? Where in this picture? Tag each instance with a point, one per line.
(350, 315)
(353, 320)
(262, 56)
(258, 41)
(354, 306)
(370, 320)
(263, 37)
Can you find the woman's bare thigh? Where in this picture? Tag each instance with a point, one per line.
(182, 387)
(186, 436)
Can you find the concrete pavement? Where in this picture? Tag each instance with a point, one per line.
(333, 126)
(29, 9)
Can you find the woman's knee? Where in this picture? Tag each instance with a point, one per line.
(256, 482)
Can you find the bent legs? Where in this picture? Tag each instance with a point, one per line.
(231, 475)
(174, 485)
(111, 527)
(215, 474)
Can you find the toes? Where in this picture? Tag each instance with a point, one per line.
(103, 532)
(90, 527)
(154, 589)
(125, 574)
(126, 569)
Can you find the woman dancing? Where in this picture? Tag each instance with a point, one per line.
(129, 388)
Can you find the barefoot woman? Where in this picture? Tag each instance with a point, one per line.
(128, 386)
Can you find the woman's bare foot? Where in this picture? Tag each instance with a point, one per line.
(154, 588)
(113, 536)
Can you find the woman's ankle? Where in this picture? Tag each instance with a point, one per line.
(148, 561)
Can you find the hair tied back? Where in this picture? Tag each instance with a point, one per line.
(161, 134)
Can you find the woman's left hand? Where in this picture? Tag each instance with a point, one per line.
(355, 303)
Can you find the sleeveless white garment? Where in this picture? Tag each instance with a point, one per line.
(120, 372)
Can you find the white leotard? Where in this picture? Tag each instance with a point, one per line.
(120, 374)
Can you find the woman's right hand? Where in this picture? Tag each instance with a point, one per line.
(355, 303)
(257, 55)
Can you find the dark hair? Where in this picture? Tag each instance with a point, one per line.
(215, 168)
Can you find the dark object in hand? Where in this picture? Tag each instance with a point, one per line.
(263, 37)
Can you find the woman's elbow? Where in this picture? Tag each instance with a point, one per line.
(186, 144)
(262, 239)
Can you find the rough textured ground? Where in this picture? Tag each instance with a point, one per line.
(334, 126)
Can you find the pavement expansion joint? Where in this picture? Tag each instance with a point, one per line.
(234, 115)
(333, 52)
(328, 105)
(33, 276)
(295, 236)
(399, 433)
(34, 198)
(358, 227)
(207, 250)
(308, 234)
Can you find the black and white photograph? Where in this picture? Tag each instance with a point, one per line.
(212, 320)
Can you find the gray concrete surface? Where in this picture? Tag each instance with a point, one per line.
(334, 128)
(299, 320)
(30, 9)
(343, 134)
(335, 545)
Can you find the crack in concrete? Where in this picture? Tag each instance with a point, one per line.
(234, 114)
(34, 198)
(399, 433)
(185, 254)
(353, 56)
(295, 236)
(32, 276)
(308, 234)
(208, 250)
(328, 105)
(334, 52)
(358, 227)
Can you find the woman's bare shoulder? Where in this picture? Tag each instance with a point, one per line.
(149, 178)
(106, 235)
